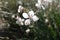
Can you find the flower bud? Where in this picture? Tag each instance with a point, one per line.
(20, 9)
(28, 30)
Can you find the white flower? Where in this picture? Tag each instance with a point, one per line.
(28, 30)
(35, 18)
(20, 21)
(20, 9)
(31, 13)
(25, 15)
(46, 20)
(48, 0)
(27, 22)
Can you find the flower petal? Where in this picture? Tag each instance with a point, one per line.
(35, 18)
(39, 1)
(38, 5)
(20, 8)
(27, 22)
(25, 15)
(31, 13)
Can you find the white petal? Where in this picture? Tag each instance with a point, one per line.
(27, 22)
(25, 15)
(22, 23)
(20, 8)
(19, 19)
(22, 19)
(31, 13)
(38, 5)
(35, 18)
(39, 1)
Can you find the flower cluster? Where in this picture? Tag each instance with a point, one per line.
(43, 4)
(27, 17)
